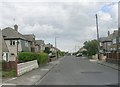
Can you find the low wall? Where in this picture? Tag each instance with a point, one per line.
(26, 67)
(53, 59)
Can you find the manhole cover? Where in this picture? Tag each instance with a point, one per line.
(91, 72)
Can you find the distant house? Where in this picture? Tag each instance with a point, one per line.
(54, 49)
(40, 46)
(82, 49)
(15, 41)
(49, 45)
(31, 39)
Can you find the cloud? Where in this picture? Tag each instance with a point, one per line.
(73, 22)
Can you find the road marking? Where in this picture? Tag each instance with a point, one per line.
(91, 60)
(44, 69)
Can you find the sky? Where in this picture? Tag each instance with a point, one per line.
(72, 22)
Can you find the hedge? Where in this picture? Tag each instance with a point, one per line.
(42, 58)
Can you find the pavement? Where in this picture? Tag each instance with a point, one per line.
(107, 64)
(30, 78)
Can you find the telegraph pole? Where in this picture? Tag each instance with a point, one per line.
(98, 37)
(56, 47)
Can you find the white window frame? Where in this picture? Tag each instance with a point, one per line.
(26, 43)
(114, 41)
(12, 42)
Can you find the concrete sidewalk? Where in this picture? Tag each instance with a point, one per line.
(31, 78)
(111, 65)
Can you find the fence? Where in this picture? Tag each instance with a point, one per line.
(9, 65)
(113, 57)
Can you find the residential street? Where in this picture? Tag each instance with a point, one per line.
(79, 71)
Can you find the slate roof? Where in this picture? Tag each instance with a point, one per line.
(10, 33)
(40, 42)
(30, 37)
(110, 37)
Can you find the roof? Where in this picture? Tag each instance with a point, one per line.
(4, 46)
(105, 39)
(113, 35)
(110, 37)
(55, 48)
(30, 37)
(40, 42)
(10, 33)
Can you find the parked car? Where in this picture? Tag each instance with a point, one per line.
(51, 55)
(79, 54)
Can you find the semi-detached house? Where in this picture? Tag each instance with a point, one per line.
(15, 42)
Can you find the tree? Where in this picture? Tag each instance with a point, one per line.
(47, 50)
(92, 47)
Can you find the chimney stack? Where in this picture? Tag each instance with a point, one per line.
(16, 27)
(108, 33)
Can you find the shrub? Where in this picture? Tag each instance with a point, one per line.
(26, 56)
(42, 58)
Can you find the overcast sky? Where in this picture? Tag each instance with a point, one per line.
(71, 21)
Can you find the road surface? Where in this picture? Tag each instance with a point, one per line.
(79, 71)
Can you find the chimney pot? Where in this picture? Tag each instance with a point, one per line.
(16, 27)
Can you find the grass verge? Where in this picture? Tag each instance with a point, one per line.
(9, 73)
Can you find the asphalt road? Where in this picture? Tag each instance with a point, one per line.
(80, 71)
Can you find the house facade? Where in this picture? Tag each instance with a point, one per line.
(5, 52)
(109, 47)
(15, 42)
(31, 39)
(40, 46)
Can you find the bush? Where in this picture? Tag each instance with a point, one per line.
(26, 56)
(42, 58)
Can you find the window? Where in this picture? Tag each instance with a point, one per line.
(12, 42)
(114, 41)
(26, 43)
(7, 57)
(109, 43)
